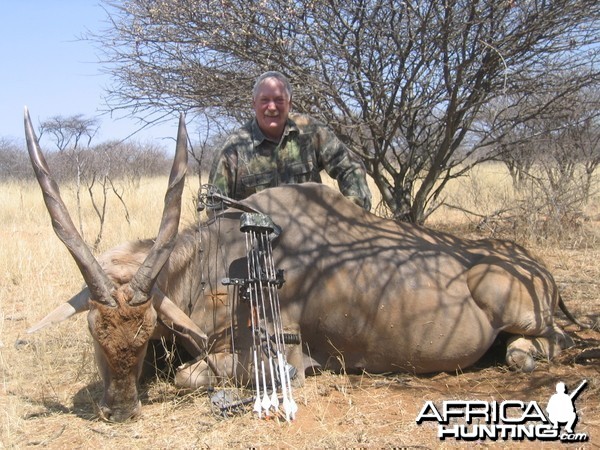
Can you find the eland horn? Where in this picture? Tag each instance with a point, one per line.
(144, 279)
(97, 281)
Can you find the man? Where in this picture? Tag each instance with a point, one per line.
(277, 147)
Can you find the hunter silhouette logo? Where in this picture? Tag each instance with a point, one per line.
(561, 406)
(507, 420)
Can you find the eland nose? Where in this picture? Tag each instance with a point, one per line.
(119, 414)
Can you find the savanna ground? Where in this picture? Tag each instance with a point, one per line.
(49, 384)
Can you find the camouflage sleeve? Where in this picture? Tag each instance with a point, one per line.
(343, 165)
(223, 171)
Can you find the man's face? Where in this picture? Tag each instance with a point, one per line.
(272, 106)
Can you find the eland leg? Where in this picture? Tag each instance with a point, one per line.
(519, 297)
(521, 351)
(212, 370)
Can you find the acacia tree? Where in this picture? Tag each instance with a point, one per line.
(70, 132)
(90, 166)
(71, 136)
(402, 83)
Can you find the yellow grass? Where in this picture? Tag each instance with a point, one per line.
(49, 385)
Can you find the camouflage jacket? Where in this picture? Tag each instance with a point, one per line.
(249, 162)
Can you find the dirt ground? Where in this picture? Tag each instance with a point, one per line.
(50, 389)
(334, 410)
(49, 386)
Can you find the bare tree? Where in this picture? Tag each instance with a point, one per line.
(403, 83)
(579, 134)
(100, 175)
(71, 135)
(551, 156)
(70, 132)
(14, 163)
(130, 160)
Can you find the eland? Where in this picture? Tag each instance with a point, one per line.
(361, 293)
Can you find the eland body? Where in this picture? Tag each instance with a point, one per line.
(363, 292)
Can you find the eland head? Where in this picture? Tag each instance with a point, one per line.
(121, 316)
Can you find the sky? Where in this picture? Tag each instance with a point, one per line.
(46, 66)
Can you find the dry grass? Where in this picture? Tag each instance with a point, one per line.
(49, 384)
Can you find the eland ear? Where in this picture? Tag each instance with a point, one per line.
(193, 338)
(78, 303)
